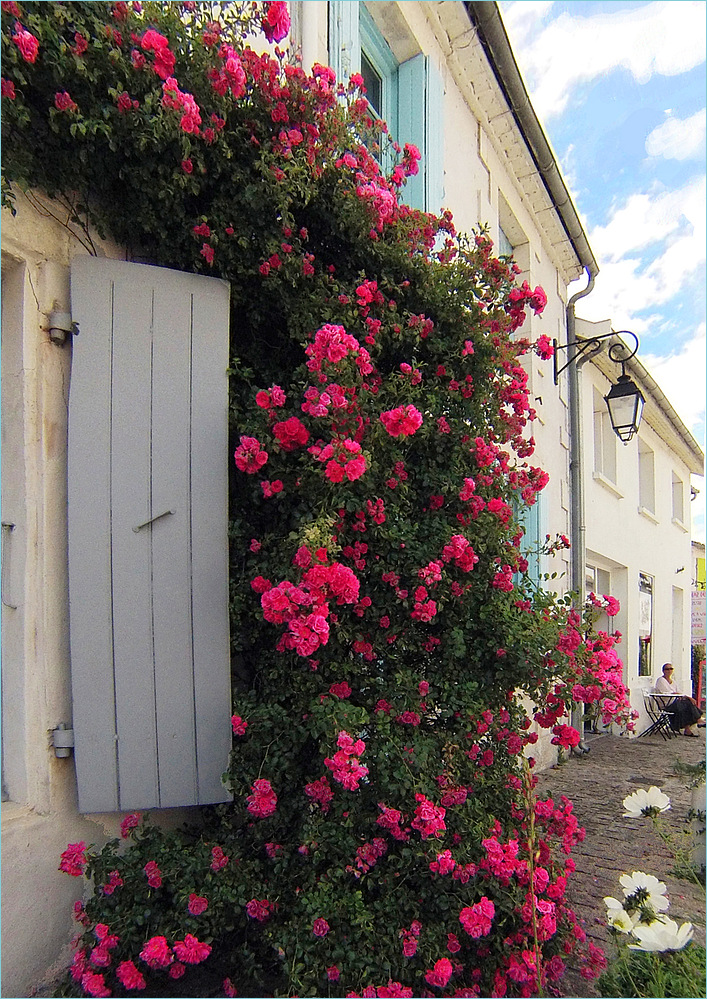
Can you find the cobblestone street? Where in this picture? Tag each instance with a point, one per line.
(597, 784)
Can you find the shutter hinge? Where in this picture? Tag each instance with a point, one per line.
(62, 740)
(59, 326)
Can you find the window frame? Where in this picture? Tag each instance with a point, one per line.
(379, 55)
(678, 515)
(605, 463)
(646, 477)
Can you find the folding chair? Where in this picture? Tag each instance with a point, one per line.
(655, 705)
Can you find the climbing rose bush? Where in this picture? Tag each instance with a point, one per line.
(393, 663)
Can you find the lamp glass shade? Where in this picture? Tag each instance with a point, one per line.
(625, 404)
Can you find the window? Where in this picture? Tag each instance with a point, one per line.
(598, 580)
(604, 440)
(512, 239)
(645, 624)
(407, 95)
(646, 477)
(678, 500)
(379, 69)
(505, 247)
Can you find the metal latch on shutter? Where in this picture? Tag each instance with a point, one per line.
(159, 516)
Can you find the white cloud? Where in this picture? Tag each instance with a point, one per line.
(667, 38)
(672, 222)
(522, 17)
(679, 138)
(681, 376)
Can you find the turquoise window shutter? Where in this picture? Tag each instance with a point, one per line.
(148, 549)
(413, 96)
(532, 520)
(421, 122)
(532, 539)
(434, 139)
(344, 39)
(411, 124)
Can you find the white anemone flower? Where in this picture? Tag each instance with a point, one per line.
(662, 935)
(617, 917)
(645, 889)
(642, 802)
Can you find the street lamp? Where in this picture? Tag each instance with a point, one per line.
(624, 401)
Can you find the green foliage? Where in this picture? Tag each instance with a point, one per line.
(386, 639)
(671, 975)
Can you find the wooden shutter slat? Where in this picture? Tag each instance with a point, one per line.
(344, 39)
(209, 473)
(90, 606)
(131, 570)
(171, 548)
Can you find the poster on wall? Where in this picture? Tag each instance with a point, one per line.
(698, 617)
(645, 615)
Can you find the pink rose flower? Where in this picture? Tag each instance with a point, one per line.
(156, 953)
(190, 950)
(275, 22)
(197, 904)
(73, 859)
(26, 43)
(128, 823)
(129, 976)
(440, 974)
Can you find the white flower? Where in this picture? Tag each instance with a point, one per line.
(617, 917)
(643, 802)
(662, 936)
(644, 889)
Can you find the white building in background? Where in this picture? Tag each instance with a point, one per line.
(443, 75)
(637, 520)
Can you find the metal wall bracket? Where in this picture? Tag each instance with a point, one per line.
(60, 326)
(62, 740)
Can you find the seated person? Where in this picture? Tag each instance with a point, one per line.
(683, 710)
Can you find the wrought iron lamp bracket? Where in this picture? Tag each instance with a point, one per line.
(583, 346)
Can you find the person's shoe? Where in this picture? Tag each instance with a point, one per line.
(691, 735)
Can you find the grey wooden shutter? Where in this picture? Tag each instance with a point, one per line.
(148, 604)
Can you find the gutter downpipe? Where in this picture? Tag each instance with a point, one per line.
(577, 524)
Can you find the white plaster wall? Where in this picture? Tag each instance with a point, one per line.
(629, 542)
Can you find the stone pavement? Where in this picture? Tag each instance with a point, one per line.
(597, 783)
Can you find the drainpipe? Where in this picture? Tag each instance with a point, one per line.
(577, 525)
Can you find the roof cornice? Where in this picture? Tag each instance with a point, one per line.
(486, 18)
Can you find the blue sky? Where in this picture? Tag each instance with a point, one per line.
(619, 88)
